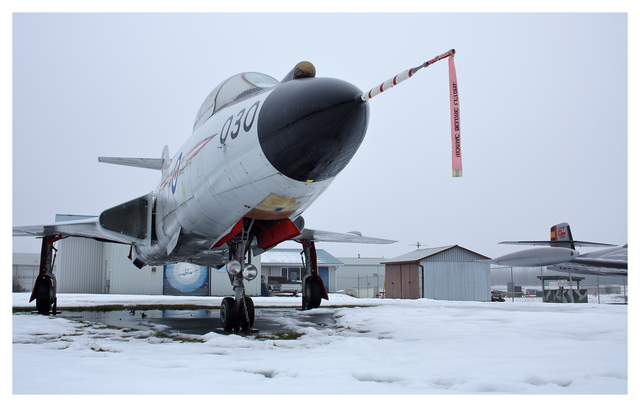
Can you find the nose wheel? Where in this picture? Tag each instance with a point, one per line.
(247, 314)
(234, 317)
(228, 314)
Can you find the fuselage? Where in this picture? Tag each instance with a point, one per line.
(260, 150)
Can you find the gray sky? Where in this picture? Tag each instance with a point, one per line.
(543, 101)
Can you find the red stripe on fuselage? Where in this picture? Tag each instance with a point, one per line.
(195, 150)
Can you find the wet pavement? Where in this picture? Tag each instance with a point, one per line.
(200, 322)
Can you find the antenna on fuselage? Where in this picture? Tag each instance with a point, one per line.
(456, 151)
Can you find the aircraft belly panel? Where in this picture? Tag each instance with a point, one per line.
(275, 207)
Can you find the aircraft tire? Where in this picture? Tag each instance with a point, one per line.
(250, 310)
(44, 295)
(312, 294)
(228, 313)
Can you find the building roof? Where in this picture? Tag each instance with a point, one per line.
(421, 254)
(362, 261)
(293, 257)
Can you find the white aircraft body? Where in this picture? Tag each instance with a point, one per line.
(261, 152)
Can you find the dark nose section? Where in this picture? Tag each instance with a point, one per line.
(310, 128)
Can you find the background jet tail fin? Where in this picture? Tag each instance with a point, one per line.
(561, 236)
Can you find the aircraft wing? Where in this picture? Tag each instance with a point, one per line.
(351, 237)
(90, 228)
(608, 262)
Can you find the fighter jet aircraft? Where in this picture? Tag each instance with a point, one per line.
(261, 152)
(563, 256)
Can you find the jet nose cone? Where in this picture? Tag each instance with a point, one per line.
(309, 129)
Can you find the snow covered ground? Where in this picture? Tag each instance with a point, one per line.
(395, 347)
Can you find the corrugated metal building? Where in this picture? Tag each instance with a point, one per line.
(26, 267)
(439, 273)
(288, 263)
(89, 266)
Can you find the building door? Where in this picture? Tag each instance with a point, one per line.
(402, 281)
(410, 281)
(323, 272)
(393, 281)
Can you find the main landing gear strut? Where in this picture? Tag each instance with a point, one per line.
(313, 290)
(44, 289)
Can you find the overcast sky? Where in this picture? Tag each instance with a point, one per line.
(543, 101)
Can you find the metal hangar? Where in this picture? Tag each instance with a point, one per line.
(440, 273)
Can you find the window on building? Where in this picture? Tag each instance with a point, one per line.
(292, 274)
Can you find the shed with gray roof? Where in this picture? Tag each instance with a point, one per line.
(440, 273)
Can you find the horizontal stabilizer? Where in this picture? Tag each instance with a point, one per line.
(151, 163)
(554, 243)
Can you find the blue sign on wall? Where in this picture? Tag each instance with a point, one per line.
(185, 279)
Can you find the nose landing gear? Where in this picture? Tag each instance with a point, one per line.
(238, 312)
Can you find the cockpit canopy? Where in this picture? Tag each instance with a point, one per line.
(235, 88)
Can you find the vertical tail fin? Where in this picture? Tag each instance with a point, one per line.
(561, 233)
(166, 159)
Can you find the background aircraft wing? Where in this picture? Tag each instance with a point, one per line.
(79, 228)
(608, 262)
(351, 237)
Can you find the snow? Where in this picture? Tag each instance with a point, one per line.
(380, 346)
